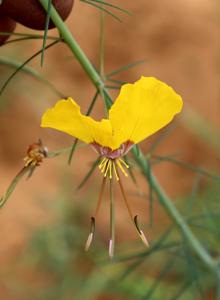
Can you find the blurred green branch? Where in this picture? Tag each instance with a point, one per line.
(8, 62)
(142, 162)
(198, 124)
(24, 64)
(174, 213)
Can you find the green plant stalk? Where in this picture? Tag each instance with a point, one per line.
(139, 157)
(101, 44)
(76, 50)
(167, 203)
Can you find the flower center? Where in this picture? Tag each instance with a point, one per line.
(113, 154)
(111, 160)
(110, 166)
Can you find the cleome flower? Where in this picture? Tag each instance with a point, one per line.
(140, 110)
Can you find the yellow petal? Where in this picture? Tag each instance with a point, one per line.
(66, 116)
(143, 108)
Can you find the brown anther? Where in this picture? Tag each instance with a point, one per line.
(36, 152)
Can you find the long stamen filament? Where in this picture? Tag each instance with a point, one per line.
(112, 222)
(92, 226)
(118, 162)
(100, 197)
(124, 163)
(107, 168)
(125, 198)
(102, 161)
(103, 166)
(134, 219)
(115, 172)
(110, 169)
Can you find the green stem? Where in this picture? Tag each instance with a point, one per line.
(102, 44)
(75, 48)
(174, 214)
(140, 159)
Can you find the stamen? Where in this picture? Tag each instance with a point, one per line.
(115, 171)
(121, 167)
(102, 161)
(112, 222)
(111, 249)
(134, 219)
(107, 167)
(140, 232)
(125, 198)
(124, 163)
(104, 165)
(100, 197)
(92, 226)
(110, 169)
(91, 234)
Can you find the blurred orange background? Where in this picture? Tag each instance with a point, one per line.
(179, 41)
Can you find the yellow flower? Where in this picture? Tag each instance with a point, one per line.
(140, 110)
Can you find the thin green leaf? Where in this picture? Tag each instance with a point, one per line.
(202, 128)
(187, 166)
(192, 197)
(193, 272)
(26, 39)
(46, 31)
(92, 103)
(22, 65)
(205, 215)
(88, 175)
(112, 87)
(103, 9)
(212, 230)
(185, 286)
(130, 171)
(58, 152)
(151, 197)
(73, 148)
(156, 246)
(140, 260)
(18, 40)
(37, 36)
(113, 6)
(136, 150)
(13, 185)
(130, 270)
(119, 82)
(124, 68)
(107, 99)
(168, 266)
(30, 71)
